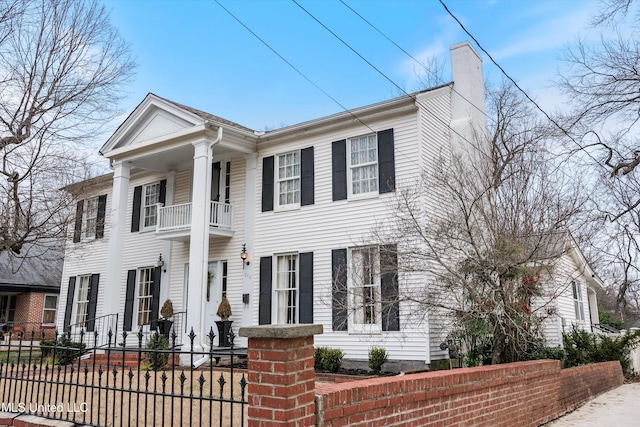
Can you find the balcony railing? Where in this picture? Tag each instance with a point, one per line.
(178, 217)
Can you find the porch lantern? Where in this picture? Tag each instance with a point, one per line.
(244, 255)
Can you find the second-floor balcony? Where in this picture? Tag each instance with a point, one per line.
(174, 222)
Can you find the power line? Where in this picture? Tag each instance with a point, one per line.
(291, 65)
(537, 106)
(434, 74)
(435, 116)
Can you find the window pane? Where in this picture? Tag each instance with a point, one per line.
(288, 178)
(286, 289)
(144, 296)
(365, 285)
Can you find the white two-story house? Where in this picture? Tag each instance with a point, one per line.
(199, 207)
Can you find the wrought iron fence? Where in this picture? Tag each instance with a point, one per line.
(154, 384)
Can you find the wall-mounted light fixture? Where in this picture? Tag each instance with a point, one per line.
(244, 255)
(160, 262)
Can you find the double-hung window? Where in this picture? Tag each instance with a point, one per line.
(50, 309)
(363, 164)
(578, 302)
(288, 179)
(90, 217)
(286, 289)
(82, 299)
(144, 295)
(365, 288)
(150, 207)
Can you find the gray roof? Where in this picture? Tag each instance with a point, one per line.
(206, 116)
(38, 268)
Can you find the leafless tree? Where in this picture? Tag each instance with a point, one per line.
(62, 67)
(603, 82)
(486, 227)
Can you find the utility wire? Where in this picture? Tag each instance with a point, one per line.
(412, 96)
(537, 106)
(434, 74)
(292, 66)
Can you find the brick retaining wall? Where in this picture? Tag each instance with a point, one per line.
(522, 394)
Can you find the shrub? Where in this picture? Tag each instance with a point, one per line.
(318, 356)
(158, 356)
(332, 360)
(554, 353)
(583, 347)
(67, 351)
(377, 357)
(329, 359)
(46, 347)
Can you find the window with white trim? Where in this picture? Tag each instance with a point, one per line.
(286, 289)
(578, 302)
(50, 309)
(151, 197)
(288, 179)
(82, 299)
(365, 288)
(363, 164)
(144, 295)
(90, 217)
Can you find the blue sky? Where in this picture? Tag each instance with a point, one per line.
(195, 53)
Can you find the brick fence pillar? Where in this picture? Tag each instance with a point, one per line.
(281, 375)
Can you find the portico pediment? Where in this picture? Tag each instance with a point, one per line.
(153, 119)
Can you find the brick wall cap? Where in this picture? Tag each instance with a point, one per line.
(42, 422)
(280, 331)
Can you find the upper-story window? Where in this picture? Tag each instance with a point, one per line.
(90, 217)
(288, 179)
(146, 198)
(363, 164)
(151, 200)
(578, 303)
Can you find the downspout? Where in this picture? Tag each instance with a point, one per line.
(204, 344)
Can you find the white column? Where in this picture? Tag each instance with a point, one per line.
(166, 244)
(249, 237)
(199, 244)
(593, 307)
(113, 290)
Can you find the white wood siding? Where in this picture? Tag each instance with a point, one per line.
(329, 224)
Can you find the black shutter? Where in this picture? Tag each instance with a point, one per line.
(267, 184)
(93, 302)
(386, 162)
(306, 287)
(156, 275)
(307, 196)
(339, 169)
(264, 306)
(339, 290)
(102, 207)
(77, 230)
(69, 308)
(162, 197)
(135, 212)
(130, 297)
(389, 288)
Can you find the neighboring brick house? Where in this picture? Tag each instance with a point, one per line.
(29, 290)
(192, 193)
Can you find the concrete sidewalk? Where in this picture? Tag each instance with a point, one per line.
(617, 408)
